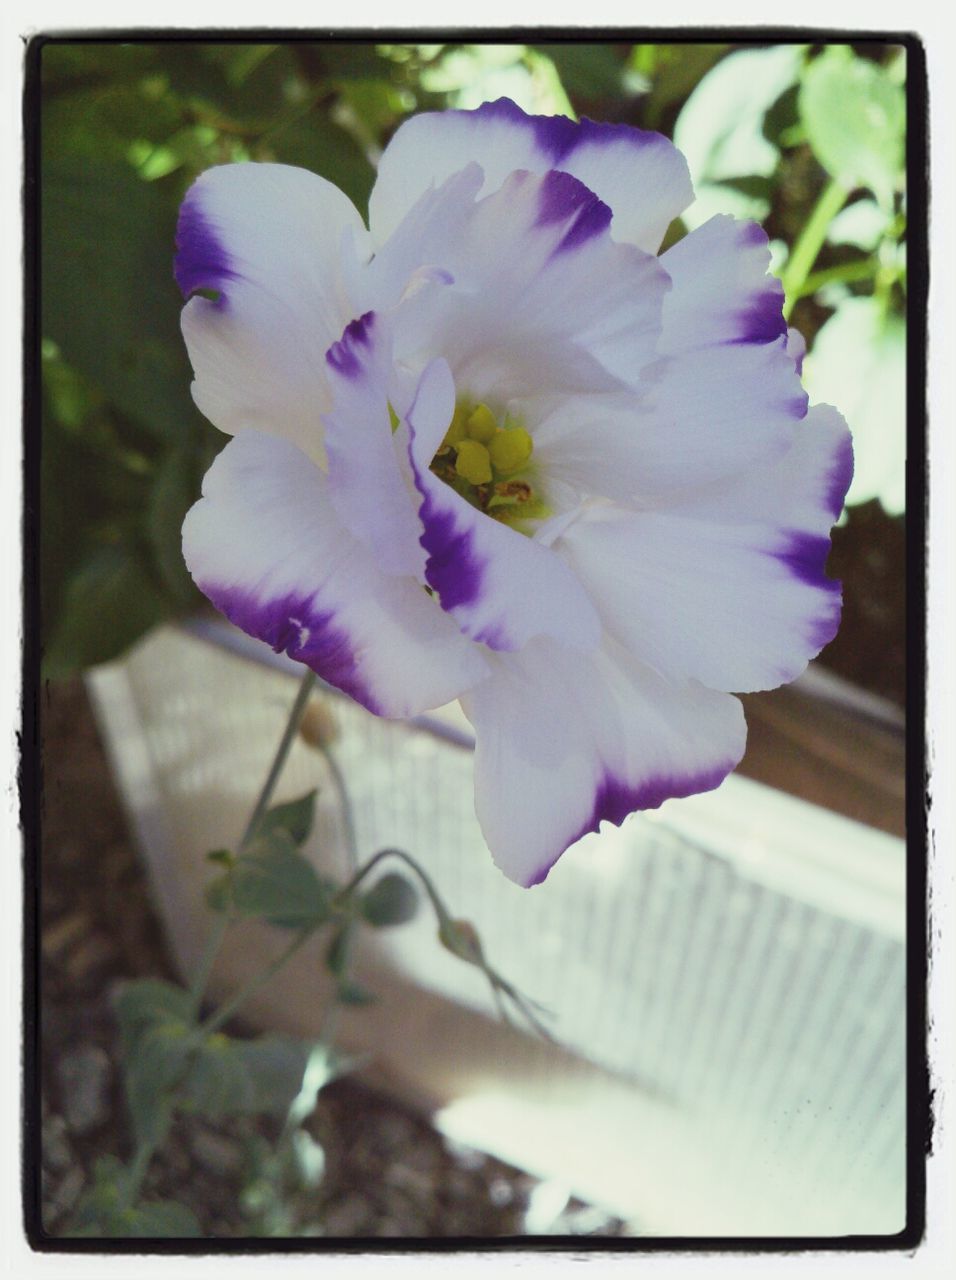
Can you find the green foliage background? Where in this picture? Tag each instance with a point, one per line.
(797, 136)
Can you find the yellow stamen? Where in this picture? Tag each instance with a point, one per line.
(473, 462)
(457, 430)
(481, 424)
(510, 449)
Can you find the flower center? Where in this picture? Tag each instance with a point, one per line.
(490, 465)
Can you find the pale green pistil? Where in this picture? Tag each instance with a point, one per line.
(489, 465)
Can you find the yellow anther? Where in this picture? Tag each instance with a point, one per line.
(393, 418)
(510, 449)
(473, 462)
(457, 430)
(482, 424)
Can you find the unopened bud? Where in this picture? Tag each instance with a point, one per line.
(319, 727)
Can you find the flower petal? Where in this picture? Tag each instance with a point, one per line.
(731, 593)
(366, 484)
(270, 239)
(641, 176)
(501, 587)
(697, 418)
(265, 546)
(537, 293)
(722, 291)
(566, 740)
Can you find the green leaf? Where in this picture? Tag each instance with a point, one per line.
(274, 880)
(108, 603)
(100, 1215)
(858, 362)
(295, 818)
(154, 1069)
(720, 128)
(674, 71)
(854, 117)
(309, 1160)
(392, 900)
(275, 1066)
(164, 1219)
(861, 224)
(175, 488)
(149, 1002)
(219, 1082)
(314, 142)
(587, 69)
(108, 298)
(155, 1019)
(219, 893)
(353, 993)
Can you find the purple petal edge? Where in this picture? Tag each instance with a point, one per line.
(805, 556)
(562, 198)
(346, 356)
(558, 136)
(291, 624)
(841, 476)
(201, 262)
(615, 799)
(453, 569)
(762, 320)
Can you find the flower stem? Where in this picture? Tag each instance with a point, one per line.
(439, 907)
(288, 736)
(846, 273)
(238, 999)
(348, 819)
(197, 987)
(810, 242)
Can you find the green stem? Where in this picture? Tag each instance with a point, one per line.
(144, 1152)
(847, 273)
(137, 1172)
(238, 999)
(197, 988)
(810, 242)
(288, 736)
(439, 907)
(338, 781)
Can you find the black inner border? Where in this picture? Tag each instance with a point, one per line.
(918, 797)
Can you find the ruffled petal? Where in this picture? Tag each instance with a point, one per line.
(501, 587)
(270, 240)
(265, 546)
(536, 294)
(722, 290)
(566, 740)
(696, 418)
(730, 592)
(367, 485)
(640, 176)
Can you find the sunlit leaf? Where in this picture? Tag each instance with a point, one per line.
(861, 224)
(720, 128)
(854, 116)
(858, 363)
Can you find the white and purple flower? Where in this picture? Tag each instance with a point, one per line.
(494, 448)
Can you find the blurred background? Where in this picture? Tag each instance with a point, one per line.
(809, 140)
